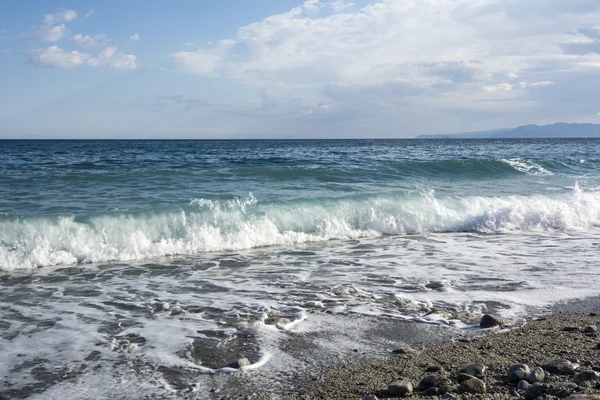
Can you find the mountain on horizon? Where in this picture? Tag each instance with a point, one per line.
(558, 130)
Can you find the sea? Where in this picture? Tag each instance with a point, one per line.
(144, 269)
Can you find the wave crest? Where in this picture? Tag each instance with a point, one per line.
(243, 223)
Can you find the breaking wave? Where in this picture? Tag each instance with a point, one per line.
(210, 226)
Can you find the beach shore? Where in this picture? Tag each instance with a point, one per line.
(566, 334)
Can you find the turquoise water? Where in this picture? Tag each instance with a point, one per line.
(135, 269)
(66, 202)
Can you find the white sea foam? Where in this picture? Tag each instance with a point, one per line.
(243, 224)
(527, 166)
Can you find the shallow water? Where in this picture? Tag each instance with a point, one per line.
(153, 257)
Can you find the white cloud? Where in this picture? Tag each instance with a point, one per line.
(89, 41)
(134, 38)
(110, 58)
(54, 34)
(542, 83)
(56, 18)
(56, 57)
(196, 62)
(88, 14)
(339, 5)
(437, 46)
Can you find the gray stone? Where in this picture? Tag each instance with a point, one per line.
(473, 369)
(583, 397)
(432, 391)
(242, 362)
(489, 321)
(463, 377)
(570, 329)
(586, 376)
(590, 329)
(560, 366)
(370, 397)
(537, 375)
(518, 367)
(438, 381)
(433, 368)
(400, 387)
(473, 386)
(562, 389)
(449, 396)
(523, 385)
(517, 376)
(535, 391)
(405, 351)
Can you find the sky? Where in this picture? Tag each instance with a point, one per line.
(294, 69)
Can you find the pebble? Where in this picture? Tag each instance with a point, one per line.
(570, 329)
(523, 385)
(489, 321)
(517, 373)
(590, 329)
(463, 377)
(432, 391)
(562, 389)
(586, 376)
(583, 397)
(370, 397)
(401, 387)
(535, 391)
(438, 381)
(560, 366)
(405, 351)
(537, 375)
(473, 386)
(473, 369)
(449, 396)
(433, 368)
(242, 362)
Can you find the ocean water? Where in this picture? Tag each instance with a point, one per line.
(139, 258)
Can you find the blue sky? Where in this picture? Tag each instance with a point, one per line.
(319, 68)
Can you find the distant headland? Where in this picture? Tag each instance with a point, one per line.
(558, 130)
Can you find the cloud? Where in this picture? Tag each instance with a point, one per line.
(542, 83)
(339, 5)
(56, 57)
(56, 18)
(88, 14)
(90, 41)
(54, 33)
(196, 62)
(134, 38)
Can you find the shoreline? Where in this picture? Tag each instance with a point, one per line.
(556, 333)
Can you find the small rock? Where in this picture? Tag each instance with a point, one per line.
(560, 366)
(583, 397)
(517, 373)
(590, 329)
(401, 387)
(523, 385)
(537, 375)
(449, 396)
(473, 369)
(535, 391)
(437, 381)
(562, 389)
(473, 386)
(489, 321)
(370, 397)
(432, 391)
(570, 329)
(586, 376)
(242, 362)
(463, 377)
(405, 351)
